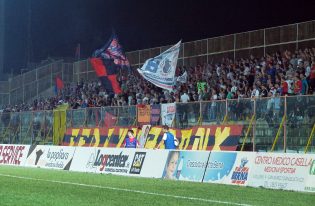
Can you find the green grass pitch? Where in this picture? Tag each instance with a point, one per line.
(33, 186)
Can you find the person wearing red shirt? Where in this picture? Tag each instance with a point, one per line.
(284, 87)
(297, 85)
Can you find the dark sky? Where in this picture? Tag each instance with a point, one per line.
(57, 26)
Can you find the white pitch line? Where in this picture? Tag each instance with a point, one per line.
(129, 190)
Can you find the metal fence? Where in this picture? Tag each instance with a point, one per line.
(269, 124)
(212, 50)
(37, 82)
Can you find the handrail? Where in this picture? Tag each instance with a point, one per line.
(310, 139)
(16, 131)
(7, 129)
(241, 117)
(225, 119)
(39, 133)
(247, 131)
(196, 102)
(278, 133)
(47, 135)
(29, 129)
(199, 122)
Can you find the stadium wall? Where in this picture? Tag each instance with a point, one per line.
(277, 171)
(194, 138)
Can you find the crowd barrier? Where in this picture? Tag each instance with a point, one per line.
(194, 138)
(277, 170)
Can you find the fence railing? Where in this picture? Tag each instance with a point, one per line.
(269, 124)
(212, 50)
(31, 84)
(35, 83)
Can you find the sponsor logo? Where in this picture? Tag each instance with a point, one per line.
(38, 155)
(109, 162)
(53, 159)
(196, 164)
(59, 155)
(11, 154)
(283, 161)
(216, 165)
(282, 164)
(137, 163)
(240, 174)
(312, 168)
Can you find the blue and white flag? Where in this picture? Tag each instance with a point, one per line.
(160, 70)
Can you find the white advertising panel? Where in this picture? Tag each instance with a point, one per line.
(310, 177)
(243, 166)
(54, 157)
(13, 154)
(281, 171)
(111, 160)
(271, 170)
(153, 163)
(83, 158)
(127, 162)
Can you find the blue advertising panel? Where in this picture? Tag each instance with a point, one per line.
(185, 165)
(220, 165)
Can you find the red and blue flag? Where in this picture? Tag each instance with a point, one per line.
(106, 63)
(113, 50)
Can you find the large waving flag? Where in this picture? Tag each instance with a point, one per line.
(106, 70)
(113, 50)
(105, 62)
(160, 70)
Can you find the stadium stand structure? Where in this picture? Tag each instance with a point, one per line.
(241, 78)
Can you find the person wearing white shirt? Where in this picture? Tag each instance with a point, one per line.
(255, 92)
(213, 107)
(246, 71)
(234, 88)
(230, 76)
(218, 70)
(307, 69)
(184, 98)
(290, 82)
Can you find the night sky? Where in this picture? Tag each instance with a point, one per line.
(57, 26)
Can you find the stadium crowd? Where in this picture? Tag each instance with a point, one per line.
(286, 73)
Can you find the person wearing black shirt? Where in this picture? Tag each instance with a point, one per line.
(264, 91)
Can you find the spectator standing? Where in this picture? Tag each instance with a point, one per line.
(297, 85)
(312, 78)
(304, 84)
(184, 98)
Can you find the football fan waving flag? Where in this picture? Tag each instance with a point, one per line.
(106, 62)
(160, 70)
(113, 50)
